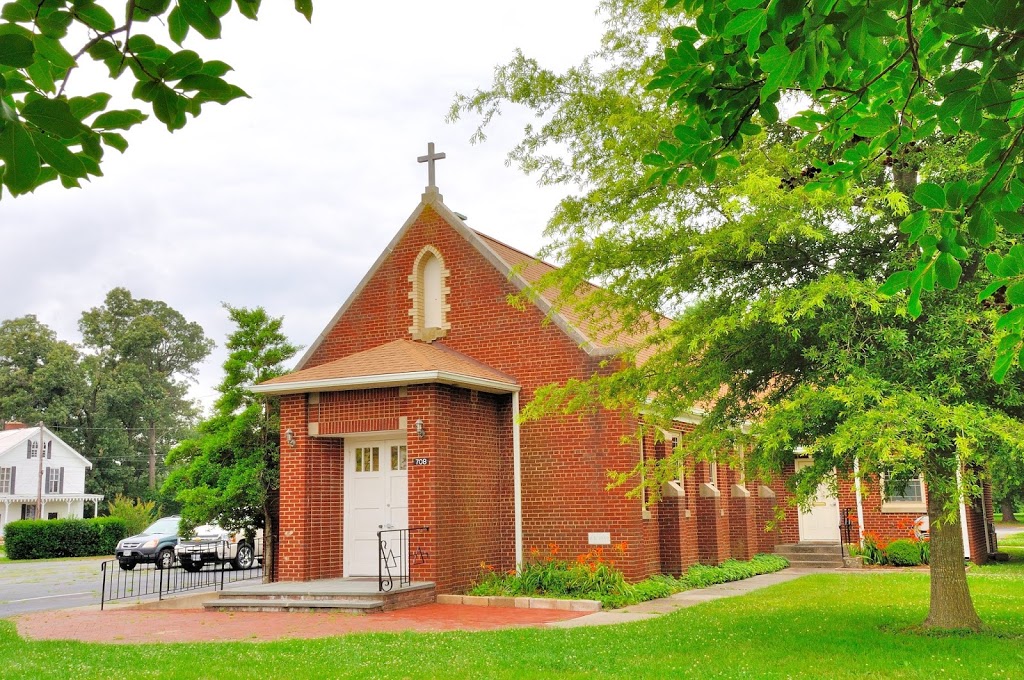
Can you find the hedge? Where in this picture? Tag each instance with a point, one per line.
(34, 539)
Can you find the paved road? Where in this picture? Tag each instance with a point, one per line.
(1003, 530)
(49, 584)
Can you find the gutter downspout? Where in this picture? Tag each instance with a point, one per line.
(517, 477)
(860, 500)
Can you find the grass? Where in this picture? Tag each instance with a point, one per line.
(828, 625)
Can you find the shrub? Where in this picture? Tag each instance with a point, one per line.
(903, 553)
(591, 577)
(926, 551)
(136, 513)
(34, 539)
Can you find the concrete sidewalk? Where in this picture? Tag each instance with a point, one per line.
(687, 598)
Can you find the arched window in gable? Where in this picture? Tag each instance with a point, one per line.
(429, 296)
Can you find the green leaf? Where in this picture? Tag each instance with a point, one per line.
(1009, 320)
(55, 153)
(915, 224)
(1015, 293)
(990, 290)
(872, 127)
(686, 34)
(1012, 222)
(53, 52)
(248, 8)
(115, 140)
(119, 120)
(305, 8)
(930, 196)
(200, 17)
(16, 51)
(96, 17)
(177, 27)
(742, 22)
(53, 115)
(181, 64)
(895, 283)
(982, 227)
(948, 271)
(21, 161)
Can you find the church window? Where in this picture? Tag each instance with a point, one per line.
(429, 296)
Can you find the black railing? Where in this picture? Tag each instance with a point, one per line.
(198, 565)
(846, 532)
(399, 550)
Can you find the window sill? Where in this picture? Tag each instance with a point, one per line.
(673, 489)
(905, 508)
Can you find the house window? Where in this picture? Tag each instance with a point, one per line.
(713, 473)
(51, 515)
(429, 296)
(28, 511)
(54, 480)
(33, 448)
(399, 458)
(909, 498)
(7, 480)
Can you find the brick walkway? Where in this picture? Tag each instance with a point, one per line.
(131, 626)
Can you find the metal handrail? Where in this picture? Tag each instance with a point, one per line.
(145, 579)
(386, 557)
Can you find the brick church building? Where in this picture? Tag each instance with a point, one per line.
(402, 413)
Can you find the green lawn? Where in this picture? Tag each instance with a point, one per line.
(822, 626)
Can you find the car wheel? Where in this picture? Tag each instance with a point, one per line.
(127, 565)
(165, 559)
(243, 557)
(192, 566)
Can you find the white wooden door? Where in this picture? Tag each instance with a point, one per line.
(376, 497)
(821, 522)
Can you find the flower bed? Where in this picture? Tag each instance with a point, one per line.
(593, 576)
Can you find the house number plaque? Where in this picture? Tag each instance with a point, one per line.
(421, 461)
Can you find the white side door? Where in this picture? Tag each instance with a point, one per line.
(821, 522)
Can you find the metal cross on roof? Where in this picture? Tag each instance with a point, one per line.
(430, 159)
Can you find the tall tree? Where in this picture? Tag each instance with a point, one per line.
(45, 133)
(40, 376)
(229, 471)
(774, 282)
(145, 353)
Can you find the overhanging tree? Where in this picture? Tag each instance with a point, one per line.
(775, 282)
(230, 470)
(47, 134)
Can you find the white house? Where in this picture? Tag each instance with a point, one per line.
(63, 476)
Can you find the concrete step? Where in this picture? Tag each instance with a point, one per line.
(816, 564)
(808, 548)
(251, 604)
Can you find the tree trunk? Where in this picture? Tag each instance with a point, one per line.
(152, 456)
(269, 548)
(951, 607)
(1008, 510)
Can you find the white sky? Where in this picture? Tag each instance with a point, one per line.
(286, 199)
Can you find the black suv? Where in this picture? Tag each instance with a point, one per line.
(155, 544)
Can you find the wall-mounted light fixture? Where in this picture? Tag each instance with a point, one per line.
(421, 430)
(289, 437)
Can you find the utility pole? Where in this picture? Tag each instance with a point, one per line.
(39, 487)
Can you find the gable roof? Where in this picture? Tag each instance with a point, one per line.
(400, 362)
(520, 269)
(11, 439)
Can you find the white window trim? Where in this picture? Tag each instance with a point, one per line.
(895, 507)
(418, 329)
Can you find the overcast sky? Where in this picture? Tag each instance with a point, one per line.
(286, 199)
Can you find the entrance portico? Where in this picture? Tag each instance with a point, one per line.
(423, 437)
